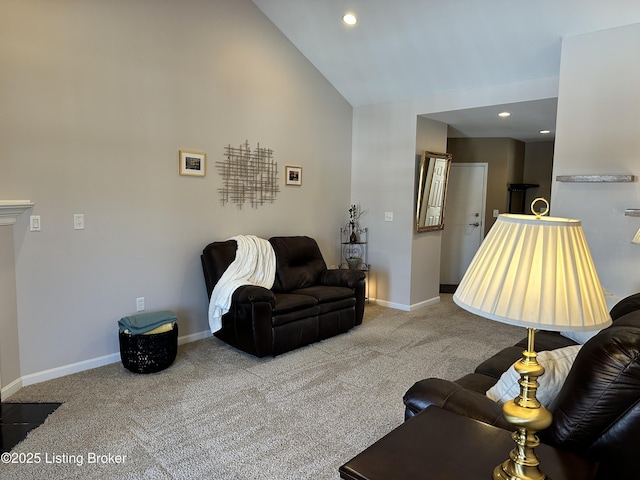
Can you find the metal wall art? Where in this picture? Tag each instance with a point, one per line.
(248, 176)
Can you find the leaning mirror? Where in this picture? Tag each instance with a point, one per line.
(433, 173)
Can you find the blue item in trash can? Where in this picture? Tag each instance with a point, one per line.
(145, 322)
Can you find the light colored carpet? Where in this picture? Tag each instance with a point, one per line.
(218, 413)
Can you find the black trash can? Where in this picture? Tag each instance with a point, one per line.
(149, 353)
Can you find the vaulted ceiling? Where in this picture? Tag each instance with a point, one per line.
(410, 48)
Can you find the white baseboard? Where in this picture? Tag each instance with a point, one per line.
(424, 303)
(397, 306)
(194, 337)
(10, 389)
(408, 308)
(65, 370)
(69, 369)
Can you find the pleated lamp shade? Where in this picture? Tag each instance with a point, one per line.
(537, 273)
(636, 239)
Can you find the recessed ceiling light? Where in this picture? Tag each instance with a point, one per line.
(544, 132)
(350, 19)
(504, 114)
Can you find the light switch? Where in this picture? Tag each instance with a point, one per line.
(34, 223)
(78, 221)
(388, 216)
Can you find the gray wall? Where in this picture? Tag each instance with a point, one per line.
(538, 167)
(510, 161)
(383, 179)
(597, 133)
(505, 157)
(588, 93)
(97, 98)
(430, 136)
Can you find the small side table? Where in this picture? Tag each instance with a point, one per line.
(440, 445)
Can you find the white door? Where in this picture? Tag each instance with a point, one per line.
(464, 219)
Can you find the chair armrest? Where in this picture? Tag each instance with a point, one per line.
(341, 277)
(253, 294)
(626, 305)
(455, 398)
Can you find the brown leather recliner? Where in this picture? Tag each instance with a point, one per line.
(307, 302)
(595, 415)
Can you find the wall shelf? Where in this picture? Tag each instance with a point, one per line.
(596, 178)
(10, 209)
(632, 212)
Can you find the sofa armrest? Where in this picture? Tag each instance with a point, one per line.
(626, 305)
(341, 277)
(455, 398)
(253, 294)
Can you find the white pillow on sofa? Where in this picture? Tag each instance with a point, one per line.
(556, 363)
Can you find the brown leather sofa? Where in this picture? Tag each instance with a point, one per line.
(306, 304)
(596, 413)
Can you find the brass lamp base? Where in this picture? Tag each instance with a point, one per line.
(509, 471)
(528, 416)
(520, 468)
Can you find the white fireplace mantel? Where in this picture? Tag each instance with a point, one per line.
(10, 209)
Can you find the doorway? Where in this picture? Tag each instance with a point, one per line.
(464, 221)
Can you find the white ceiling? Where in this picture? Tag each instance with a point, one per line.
(524, 124)
(410, 48)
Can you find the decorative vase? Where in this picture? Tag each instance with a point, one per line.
(354, 262)
(353, 238)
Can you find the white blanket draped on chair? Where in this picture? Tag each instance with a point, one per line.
(255, 264)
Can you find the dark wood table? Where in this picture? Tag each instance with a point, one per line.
(440, 445)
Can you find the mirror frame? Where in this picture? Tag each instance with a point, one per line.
(431, 189)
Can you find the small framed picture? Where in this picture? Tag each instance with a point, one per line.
(292, 175)
(192, 163)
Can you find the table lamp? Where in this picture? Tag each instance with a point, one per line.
(536, 272)
(636, 238)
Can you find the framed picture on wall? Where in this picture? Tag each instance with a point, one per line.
(192, 163)
(292, 175)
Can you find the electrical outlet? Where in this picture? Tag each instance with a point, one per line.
(78, 221)
(388, 216)
(496, 213)
(139, 304)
